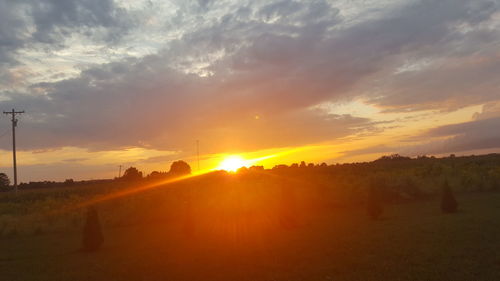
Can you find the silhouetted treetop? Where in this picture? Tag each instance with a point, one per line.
(132, 173)
(393, 157)
(180, 168)
(4, 181)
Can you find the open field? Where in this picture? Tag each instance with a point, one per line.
(412, 241)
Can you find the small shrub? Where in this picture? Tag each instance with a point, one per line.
(92, 233)
(448, 202)
(374, 207)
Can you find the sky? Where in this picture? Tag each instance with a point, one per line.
(136, 83)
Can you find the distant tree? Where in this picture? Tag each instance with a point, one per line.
(392, 157)
(69, 182)
(180, 168)
(132, 174)
(256, 169)
(4, 181)
(294, 165)
(448, 202)
(242, 170)
(155, 175)
(302, 164)
(373, 206)
(92, 233)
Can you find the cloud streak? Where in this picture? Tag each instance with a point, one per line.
(247, 76)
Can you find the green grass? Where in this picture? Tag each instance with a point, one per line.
(412, 241)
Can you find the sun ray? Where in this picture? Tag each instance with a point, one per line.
(127, 192)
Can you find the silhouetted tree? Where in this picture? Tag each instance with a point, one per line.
(280, 167)
(392, 157)
(155, 175)
(373, 205)
(242, 170)
(132, 174)
(180, 168)
(92, 233)
(4, 181)
(448, 202)
(256, 169)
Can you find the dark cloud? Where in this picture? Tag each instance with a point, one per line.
(250, 78)
(462, 137)
(368, 150)
(450, 53)
(48, 23)
(55, 19)
(480, 134)
(63, 171)
(165, 159)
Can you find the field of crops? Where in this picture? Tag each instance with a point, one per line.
(232, 231)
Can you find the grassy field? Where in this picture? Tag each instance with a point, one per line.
(412, 241)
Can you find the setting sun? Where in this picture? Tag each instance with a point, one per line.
(232, 163)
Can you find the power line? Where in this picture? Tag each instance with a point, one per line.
(14, 125)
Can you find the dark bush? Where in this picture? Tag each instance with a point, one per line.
(448, 202)
(92, 233)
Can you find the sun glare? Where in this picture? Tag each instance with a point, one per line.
(232, 163)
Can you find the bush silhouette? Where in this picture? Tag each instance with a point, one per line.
(4, 181)
(132, 174)
(180, 168)
(374, 207)
(448, 202)
(92, 234)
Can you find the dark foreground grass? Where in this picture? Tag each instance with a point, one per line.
(412, 241)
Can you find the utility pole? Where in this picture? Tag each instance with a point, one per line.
(120, 171)
(198, 153)
(14, 125)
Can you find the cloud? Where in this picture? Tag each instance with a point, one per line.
(248, 76)
(368, 150)
(449, 59)
(50, 23)
(480, 134)
(490, 110)
(62, 171)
